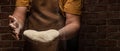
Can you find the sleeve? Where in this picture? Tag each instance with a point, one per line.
(22, 3)
(73, 7)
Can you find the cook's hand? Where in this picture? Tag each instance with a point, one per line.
(16, 26)
(42, 36)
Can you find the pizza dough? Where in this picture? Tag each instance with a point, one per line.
(42, 36)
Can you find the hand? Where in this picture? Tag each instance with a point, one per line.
(16, 26)
(42, 36)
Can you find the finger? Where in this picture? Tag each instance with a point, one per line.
(11, 18)
(14, 21)
(16, 37)
(14, 32)
(13, 36)
(16, 24)
(12, 26)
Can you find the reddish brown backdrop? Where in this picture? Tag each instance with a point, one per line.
(100, 26)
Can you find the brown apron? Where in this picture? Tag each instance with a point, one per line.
(44, 15)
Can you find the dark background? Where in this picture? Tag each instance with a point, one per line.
(100, 26)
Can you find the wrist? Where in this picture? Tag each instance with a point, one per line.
(62, 35)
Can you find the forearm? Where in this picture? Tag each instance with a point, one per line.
(71, 27)
(19, 14)
(68, 31)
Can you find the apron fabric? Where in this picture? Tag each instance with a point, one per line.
(44, 15)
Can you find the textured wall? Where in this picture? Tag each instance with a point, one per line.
(7, 42)
(100, 26)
